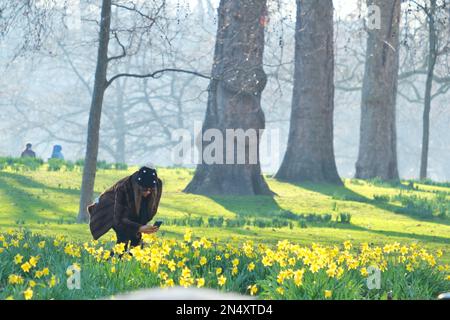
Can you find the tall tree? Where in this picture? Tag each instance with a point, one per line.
(146, 14)
(234, 98)
(432, 58)
(310, 153)
(378, 138)
(100, 84)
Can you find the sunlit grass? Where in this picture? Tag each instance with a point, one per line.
(47, 202)
(37, 267)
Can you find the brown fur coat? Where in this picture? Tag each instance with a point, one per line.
(118, 208)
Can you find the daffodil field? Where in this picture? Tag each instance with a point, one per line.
(38, 267)
(397, 240)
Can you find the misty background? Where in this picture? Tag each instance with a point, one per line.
(45, 92)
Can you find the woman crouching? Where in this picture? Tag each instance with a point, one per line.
(127, 207)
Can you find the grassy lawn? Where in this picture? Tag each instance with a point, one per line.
(47, 202)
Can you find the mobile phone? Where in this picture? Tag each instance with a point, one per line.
(158, 224)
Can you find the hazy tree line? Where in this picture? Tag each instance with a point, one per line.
(350, 100)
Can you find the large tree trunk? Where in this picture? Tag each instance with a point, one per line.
(378, 138)
(432, 58)
(310, 153)
(234, 100)
(90, 164)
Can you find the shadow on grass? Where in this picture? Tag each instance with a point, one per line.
(277, 235)
(27, 182)
(407, 185)
(342, 193)
(249, 206)
(28, 204)
(388, 233)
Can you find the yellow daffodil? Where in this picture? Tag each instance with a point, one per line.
(188, 235)
(119, 248)
(267, 261)
(205, 243)
(45, 272)
(298, 277)
(292, 261)
(332, 270)
(171, 265)
(52, 282)
(18, 259)
(163, 275)
(314, 268)
(196, 244)
(404, 250)
(33, 261)
(200, 282)
(170, 283)
(221, 280)
(28, 294)
(186, 281)
(15, 279)
(253, 289)
(186, 272)
(26, 267)
(282, 275)
(364, 272)
(106, 255)
(328, 294)
(347, 245)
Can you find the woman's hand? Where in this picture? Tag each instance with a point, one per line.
(148, 229)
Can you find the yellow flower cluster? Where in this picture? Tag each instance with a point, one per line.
(27, 272)
(286, 267)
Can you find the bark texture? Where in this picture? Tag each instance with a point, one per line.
(377, 156)
(234, 100)
(310, 152)
(432, 59)
(90, 164)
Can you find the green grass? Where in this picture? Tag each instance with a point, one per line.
(33, 266)
(47, 202)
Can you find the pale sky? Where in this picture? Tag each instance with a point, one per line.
(344, 7)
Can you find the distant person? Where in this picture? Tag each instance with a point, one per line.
(127, 207)
(57, 154)
(28, 152)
